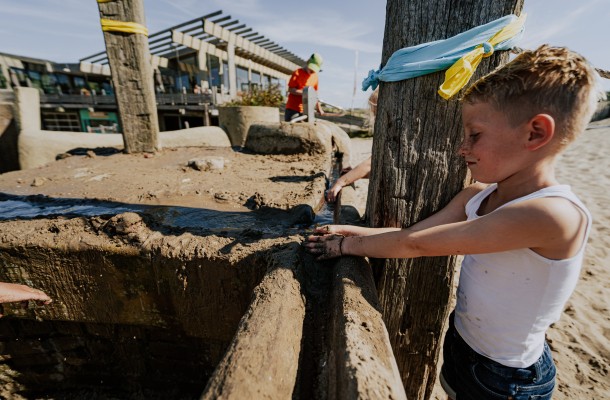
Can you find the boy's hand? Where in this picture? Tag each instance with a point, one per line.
(342, 230)
(324, 247)
(331, 194)
(326, 230)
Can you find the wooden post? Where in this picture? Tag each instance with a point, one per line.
(415, 172)
(233, 89)
(132, 76)
(310, 99)
(206, 115)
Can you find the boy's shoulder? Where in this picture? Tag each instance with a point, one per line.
(472, 190)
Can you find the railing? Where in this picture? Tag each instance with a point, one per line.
(183, 99)
(93, 100)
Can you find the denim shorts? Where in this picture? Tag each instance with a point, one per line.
(476, 377)
(290, 114)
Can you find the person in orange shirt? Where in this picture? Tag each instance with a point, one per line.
(306, 76)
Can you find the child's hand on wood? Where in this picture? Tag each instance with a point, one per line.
(324, 247)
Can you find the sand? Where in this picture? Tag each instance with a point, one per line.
(580, 341)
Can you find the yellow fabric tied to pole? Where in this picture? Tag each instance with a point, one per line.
(105, 1)
(458, 75)
(109, 25)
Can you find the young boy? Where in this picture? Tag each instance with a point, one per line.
(522, 233)
(306, 76)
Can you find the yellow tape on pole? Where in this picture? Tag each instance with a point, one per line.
(460, 73)
(109, 25)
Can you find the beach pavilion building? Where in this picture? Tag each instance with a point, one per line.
(198, 65)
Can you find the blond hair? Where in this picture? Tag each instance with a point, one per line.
(548, 80)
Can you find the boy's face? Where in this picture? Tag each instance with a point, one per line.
(493, 149)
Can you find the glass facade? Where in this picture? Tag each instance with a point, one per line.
(256, 78)
(225, 77)
(214, 71)
(243, 84)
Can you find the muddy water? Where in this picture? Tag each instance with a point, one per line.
(196, 219)
(20, 207)
(28, 207)
(327, 214)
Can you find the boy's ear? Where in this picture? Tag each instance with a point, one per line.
(541, 131)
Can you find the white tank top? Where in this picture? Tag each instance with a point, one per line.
(506, 301)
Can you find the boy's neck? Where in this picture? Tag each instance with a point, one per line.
(539, 176)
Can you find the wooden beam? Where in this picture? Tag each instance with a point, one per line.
(248, 45)
(209, 48)
(132, 76)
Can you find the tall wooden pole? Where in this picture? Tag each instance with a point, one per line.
(415, 172)
(132, 76)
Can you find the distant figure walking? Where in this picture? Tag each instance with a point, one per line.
(306, 76)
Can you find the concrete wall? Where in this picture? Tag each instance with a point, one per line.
(9, 161)
(236, 120)
(36, 147)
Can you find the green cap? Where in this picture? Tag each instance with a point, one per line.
(315, 62)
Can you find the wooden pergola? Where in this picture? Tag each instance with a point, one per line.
(217, 35)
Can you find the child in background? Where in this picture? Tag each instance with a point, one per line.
(522, 233)
(361, 170)
(300, 78)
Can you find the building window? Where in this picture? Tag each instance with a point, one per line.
(49, 83)
(256, 78)
(214, 71)
(63, 81)
(242, 79)
(3, 81)
(61, 121)
(225, 77)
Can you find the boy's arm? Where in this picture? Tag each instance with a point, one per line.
(12, 292)
(361, 170)
(452, 212)
(548, 226)
(319, 108)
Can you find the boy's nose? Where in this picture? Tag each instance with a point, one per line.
(463, 149)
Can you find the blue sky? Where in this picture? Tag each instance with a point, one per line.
(67, 30)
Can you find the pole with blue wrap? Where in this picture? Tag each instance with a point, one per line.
(460, 54)
(416, 171)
